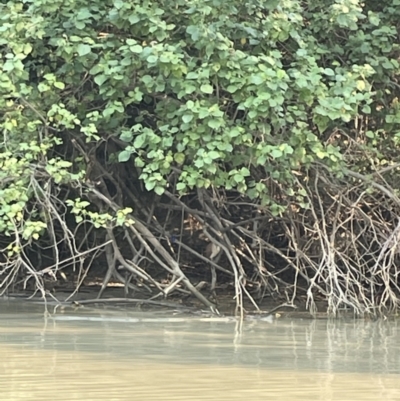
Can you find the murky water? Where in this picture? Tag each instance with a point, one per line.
(112, 355)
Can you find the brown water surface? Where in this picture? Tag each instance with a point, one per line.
(118, 355)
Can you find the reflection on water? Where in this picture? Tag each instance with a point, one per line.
(110, 355)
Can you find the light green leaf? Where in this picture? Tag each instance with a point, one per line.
(238, 178)
(83, 49)
(139, 141)
(159, 190)
(152, 59)
(27, 48)
(366, 109)
(203, 113)
(150, 185)
(214, 154)
(139, 162)
(275, 153)
(100, 79)
(187, 118)
(126, 136)
(232, 88)
(59, 85)
(136, 49)
(360, 85)
(124, 156)
(206, 88)
(214, 124)
(8, 66)
(179, 158)
(180, 186)
(244, 171)
(192, 75)
(329, 72)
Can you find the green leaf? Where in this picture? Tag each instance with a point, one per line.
(83, 49)
(152, 59)
(232, 88)
(203, 113)
(373, 18)
(147, 80)
(189, 89)
(126, 136)
(187, 118)
(124, 156)
(133, 18)
(321, 154)
(192, 75)
(150, 185)
(27, 48)
(139, 162)
(8, 66)
(199, 163)
(100, 79)
(238, 178)
(139, 141)
(245, 172)
(366, 109)
(257, 79)
(206, 88)
(42, 87)
(360, 85)
(276, 153)
(159, 190)
(214, 123)
(59, 85)
(214, 155)
(179, 158)
(329, 72)
(136, 49)
(83, 14)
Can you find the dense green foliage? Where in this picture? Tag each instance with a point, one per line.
(191, 94)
